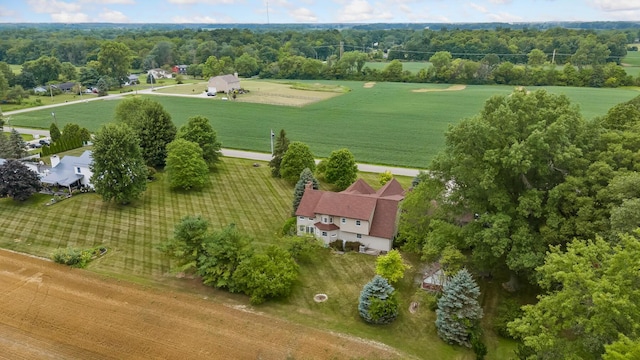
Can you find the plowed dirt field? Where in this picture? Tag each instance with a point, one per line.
(50, 311)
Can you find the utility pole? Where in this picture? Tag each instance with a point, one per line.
(553, 58)
(272, 136)
(341, 48)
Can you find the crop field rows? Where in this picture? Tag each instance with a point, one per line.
(388, 123)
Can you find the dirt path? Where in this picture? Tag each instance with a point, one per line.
(52, 311)
(450, 88)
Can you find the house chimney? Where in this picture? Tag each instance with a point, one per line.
(55, 160)
(308, 185)
(235, 74)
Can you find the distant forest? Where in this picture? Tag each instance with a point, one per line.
(571, 54)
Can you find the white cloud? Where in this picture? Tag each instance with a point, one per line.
(113, 16)
(200, 20)
(208, 2)
(361, 10)
(108, 2)
(626, 15)
(65, 17)
(478, 8)
(618, 5)
(53, 6)
(500, 2)
(4, 12)
(303, 15)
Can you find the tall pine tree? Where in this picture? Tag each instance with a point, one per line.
(305, 176)
(279, 148)
(458, 309)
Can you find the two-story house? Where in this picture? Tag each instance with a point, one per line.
(358, 213)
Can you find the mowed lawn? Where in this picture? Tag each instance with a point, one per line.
(631, 63)
(385, 124)
(258, 204)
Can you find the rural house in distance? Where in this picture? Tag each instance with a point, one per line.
(358, 213)
(223, 83)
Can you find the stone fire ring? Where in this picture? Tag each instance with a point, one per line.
(320, 298)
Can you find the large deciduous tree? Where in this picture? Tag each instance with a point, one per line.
(592, 297)
(115, 60)
(297, 157)
(458, 309)
(153, 126)
(199, 130)
(44, 69)
(506, 179)
(266, 275)
(17, 181)
(188, 243)
(119, 171)
(222, 255)
(279, 149)
(185, 166)
(341, 169)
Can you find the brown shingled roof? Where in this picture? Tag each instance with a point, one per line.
(384, 220)
(391, 188)
(360, 187)
(360, 202)
(308, 203)
(346, 205)
(326, 227)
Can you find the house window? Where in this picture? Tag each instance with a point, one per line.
(331, 220)
(301, 217)
(357, 222)
(359, 236)
(311, 230)
(78, 170)
(324, 220)
(324, 233)
(301, 228)
(344, 221)
(312, 218)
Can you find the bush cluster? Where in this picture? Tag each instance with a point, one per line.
(72, 256)
(352, 246)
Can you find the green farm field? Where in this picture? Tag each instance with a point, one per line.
(631, 63)
(388, 123)
(258, 204)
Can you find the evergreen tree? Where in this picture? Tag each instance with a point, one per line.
(17, 146)
(279, 149)
(17, 181)
(458, 309)
(54, 132)
(305, 176)
(378, 302)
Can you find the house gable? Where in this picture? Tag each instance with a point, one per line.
(359, 213)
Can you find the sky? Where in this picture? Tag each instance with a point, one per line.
(315, 11)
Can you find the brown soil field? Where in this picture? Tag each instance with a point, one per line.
(450, 88)
(53, 311)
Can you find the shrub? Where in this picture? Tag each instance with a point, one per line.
(352, 246)
(289, 227)
(507, 311)
(303, 248)
(336, 245)
(378, 302)
(72, 257)
(151, 173)
(427, 299)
